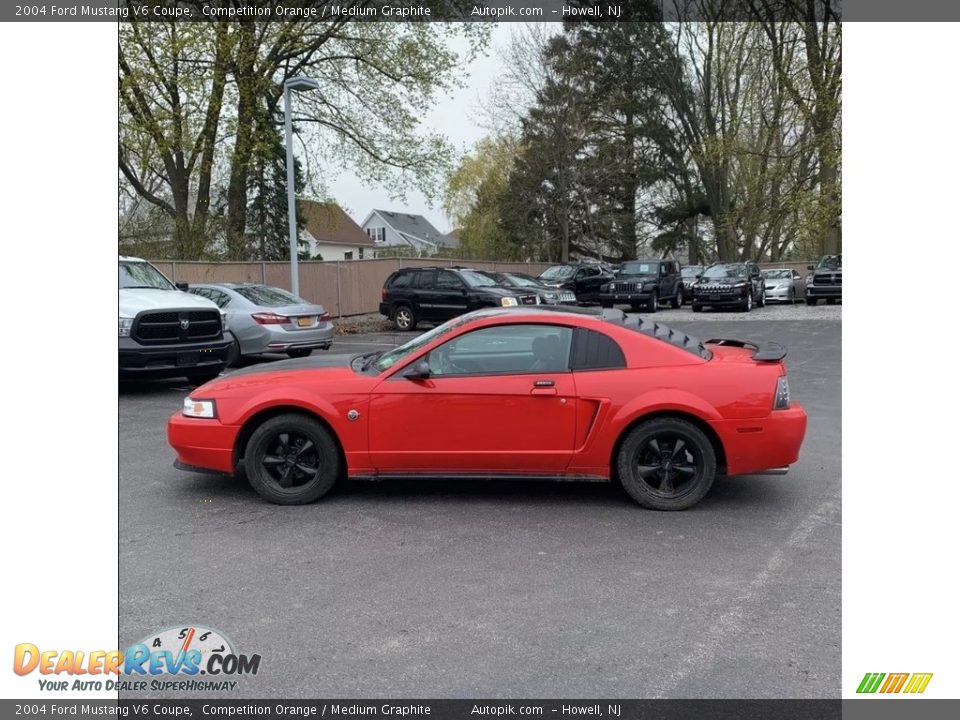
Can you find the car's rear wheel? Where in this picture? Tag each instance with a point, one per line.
(667, 464)
(233, 354)
(291, 460)
(403, 318)
(299, 352)
(652, 302)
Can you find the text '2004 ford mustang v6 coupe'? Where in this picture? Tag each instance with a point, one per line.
(505, 393)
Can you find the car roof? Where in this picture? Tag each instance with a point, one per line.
(130, 258)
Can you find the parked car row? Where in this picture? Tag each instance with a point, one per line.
(195, 331)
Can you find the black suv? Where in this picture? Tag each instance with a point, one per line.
(827, 280)
(645, 282)
(737, 285)
(585, 280)
(436, 294)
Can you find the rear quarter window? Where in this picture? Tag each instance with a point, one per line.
(593, 350)
(400, 280)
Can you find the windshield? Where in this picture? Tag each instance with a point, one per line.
(638, 268)
(557, 272)
(691, 271)
(265, 296)
(829, 262)
(392, 357)
(477, 279)
(778, 274)
(521, 280)
(142, 275)
(721, 272)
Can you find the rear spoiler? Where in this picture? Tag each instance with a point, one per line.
(768, 352)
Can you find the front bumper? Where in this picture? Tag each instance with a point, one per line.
(722, 300)
(756, 445)
(634, 297)
(202, 444)
(824, 291)
(780, 294)
(164, 361)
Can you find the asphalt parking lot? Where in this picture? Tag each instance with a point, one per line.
(471, 589)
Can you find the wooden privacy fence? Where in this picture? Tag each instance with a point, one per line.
(343, 287)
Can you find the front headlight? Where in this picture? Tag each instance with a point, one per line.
(509, 302)
(223, 320)
(199, 408)
(611, 287)
(125, 325)
(809, 280)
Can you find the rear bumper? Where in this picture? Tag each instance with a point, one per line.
(202, 445)
(755, 445)
(160, 361)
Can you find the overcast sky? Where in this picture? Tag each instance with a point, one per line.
(454, 115)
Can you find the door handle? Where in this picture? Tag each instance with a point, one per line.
(544, 391)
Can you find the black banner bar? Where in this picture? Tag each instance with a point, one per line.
(470, 11)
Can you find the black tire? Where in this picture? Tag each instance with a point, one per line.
(404, 318)
(763, 299)
(667, 464)
(747, 304)
(677, 301)
(199, 378)
(696, 308)
(233, 354)
(831, 301)
(792, 296)
(811, 301)
(652, 302)
(299, 352)
(291, 460)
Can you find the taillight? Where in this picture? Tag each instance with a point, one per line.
(324, 317)
(270, 319)
(781, 400)
(383, 294)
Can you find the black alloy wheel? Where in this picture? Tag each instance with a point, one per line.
(667, 464)
(291, 460)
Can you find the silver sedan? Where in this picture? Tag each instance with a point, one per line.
(265, 319)
(782, 285)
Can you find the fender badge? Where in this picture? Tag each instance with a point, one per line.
(353, 415)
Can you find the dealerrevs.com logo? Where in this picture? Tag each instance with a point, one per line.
(911, 683)
(169, 660)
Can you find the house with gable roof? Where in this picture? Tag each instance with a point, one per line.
(387, 228)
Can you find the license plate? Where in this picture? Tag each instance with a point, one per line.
(716, 297)
(304, 321)
(188, 358)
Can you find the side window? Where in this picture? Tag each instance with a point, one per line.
(593, 350)
(220, 298)
(505, 349)
(426, 279)
(446, 280)
(401, 280)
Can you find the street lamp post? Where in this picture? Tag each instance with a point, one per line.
(299, 84)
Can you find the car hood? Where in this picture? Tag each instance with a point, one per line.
(635, 278)
(828, 271)
(134, 300)
(321, 368)
(505, 292)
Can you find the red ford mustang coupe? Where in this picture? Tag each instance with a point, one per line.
(505, 393)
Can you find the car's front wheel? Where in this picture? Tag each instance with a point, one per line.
(667, 464)
(652, 302)
(677, 301)
(747, 304)
(291, 460)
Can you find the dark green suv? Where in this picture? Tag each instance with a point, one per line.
(645, 283)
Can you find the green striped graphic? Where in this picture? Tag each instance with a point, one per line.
(870, 682)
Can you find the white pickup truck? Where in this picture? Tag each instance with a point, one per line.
(165, 332)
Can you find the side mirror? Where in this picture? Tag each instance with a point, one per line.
(700, 276)
(811, 267)
(419, 371)
(182, 286)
